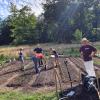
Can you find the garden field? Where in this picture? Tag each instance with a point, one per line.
(27, 85)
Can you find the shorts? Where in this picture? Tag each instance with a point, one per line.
(90, 68)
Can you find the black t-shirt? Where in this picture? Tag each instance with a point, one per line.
(87, 50)
(20, 53)
(38, 50)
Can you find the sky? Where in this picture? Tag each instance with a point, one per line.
(36, 6)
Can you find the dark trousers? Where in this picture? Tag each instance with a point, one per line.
(21, 58)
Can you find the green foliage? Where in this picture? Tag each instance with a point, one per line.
(78, 35)
(57, 22)
(3, 59)
(65, 17)
(74, 52)
(62, 21)
(23, 23)
(96, 62)
(5, 33)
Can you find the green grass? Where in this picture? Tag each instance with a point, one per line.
(3, 59)
(26, 96)
(65, 51)
(96, 62)
(74, 52)
(98, 47)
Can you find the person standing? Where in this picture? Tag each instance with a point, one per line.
(87, 53)
(21, 58)
(55, 55)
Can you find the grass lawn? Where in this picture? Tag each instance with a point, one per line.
(96, 62)
(26, 96)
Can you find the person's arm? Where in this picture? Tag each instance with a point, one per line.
(81, 53)
(44, 62)
(44, 59)
(33, 52)
(41, 50)
(93, 52)
(35, 49)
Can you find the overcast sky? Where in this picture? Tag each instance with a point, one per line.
(35, 5)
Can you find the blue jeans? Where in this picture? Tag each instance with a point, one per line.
(35, 60)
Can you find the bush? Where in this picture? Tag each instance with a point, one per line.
(3, 58)
(78, 35)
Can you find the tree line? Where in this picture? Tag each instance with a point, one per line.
(63, 21)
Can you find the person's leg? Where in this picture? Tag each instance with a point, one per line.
(35, 60)
(90, 68)
(22, 66)
(40, 62)
(21, 58)
(57, 61)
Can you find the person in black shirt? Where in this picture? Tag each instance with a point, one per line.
(38, 50)
(88, 52)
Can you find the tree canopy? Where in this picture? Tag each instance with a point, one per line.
(62, 21)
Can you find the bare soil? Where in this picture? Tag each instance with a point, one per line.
(11, 77)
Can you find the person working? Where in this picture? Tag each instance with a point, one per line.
(37, 58)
